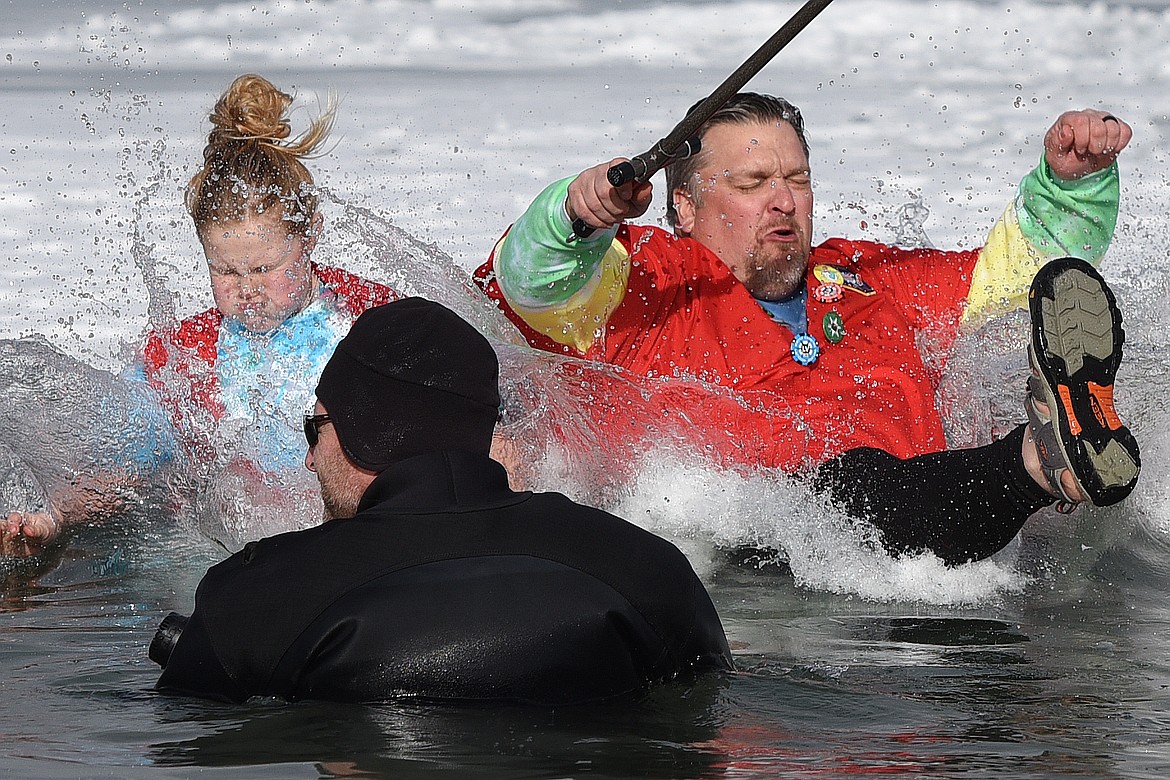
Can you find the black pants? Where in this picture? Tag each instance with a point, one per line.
(962, 505)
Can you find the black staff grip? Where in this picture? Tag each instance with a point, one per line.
(581, 229)
(621, 173)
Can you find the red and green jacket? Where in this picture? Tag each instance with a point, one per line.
(661, 306)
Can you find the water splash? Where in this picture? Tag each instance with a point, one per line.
(161, 300)
(663, 478)
(1142, 387)
(708, 512)
(981, 393)
(910, 224)
(365, 242)
(75, 435)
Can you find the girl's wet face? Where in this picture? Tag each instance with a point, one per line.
(260, 271)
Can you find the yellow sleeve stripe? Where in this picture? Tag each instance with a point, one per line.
(1003, 274)
(581, 320)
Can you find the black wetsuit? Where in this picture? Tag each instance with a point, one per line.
(447, 584)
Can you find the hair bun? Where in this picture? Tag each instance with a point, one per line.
(252, 108)
(251, 165)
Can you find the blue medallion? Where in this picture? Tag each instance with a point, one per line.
(805, 349)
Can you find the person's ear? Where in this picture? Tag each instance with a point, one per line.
(684, 209)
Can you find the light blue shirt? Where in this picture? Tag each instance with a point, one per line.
(267, 380)
(792, 312)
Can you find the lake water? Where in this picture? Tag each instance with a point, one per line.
(1051, 660)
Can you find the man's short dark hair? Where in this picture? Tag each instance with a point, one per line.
(744, 108)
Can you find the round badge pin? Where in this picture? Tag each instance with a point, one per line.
(834, 327)
(805, 349)
(828, 293)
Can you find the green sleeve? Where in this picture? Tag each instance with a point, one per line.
(1069, 217)
(536, 265)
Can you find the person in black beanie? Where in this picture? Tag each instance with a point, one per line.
(430, 577)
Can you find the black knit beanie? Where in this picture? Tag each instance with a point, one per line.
(411, 377)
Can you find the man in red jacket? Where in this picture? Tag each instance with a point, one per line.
(822, 344)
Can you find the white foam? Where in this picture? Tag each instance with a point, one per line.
(707, 512)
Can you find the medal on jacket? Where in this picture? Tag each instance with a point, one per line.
(805, 349)
(834, 327)
(828, 292)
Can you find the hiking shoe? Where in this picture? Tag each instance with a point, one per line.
(1074, 355)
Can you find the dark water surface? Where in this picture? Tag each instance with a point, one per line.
(1070, 679)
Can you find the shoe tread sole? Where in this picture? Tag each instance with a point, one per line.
(1078, 347)
(1078, 322)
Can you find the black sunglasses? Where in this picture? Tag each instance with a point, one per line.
(313, 423)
